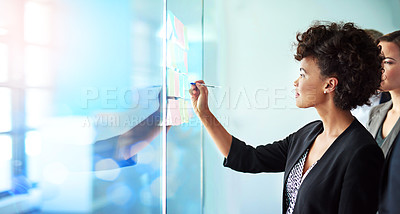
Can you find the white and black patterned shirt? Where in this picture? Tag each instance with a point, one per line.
(294, 181)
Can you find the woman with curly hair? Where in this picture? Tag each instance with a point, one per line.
(384, 123)
(331, 165)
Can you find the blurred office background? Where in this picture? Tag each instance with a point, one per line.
(73, 72)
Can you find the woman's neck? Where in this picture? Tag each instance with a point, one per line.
(335, 120)
(395, 94)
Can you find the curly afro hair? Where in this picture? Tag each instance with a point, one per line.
(347, 53)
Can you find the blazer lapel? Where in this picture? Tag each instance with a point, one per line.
(378, 117)
(389, 140)
(308, 141)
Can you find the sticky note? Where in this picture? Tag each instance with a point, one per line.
(170, 82)
(173, 112)
(180, 33)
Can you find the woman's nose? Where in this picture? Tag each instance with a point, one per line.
(295, 83)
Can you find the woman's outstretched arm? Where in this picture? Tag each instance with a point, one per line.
(199, 96)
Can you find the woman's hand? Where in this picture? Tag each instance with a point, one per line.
(199, 98)
(221, 137)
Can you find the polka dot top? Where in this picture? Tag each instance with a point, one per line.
(294, 181)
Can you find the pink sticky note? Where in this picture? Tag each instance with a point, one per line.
(185, 60)
(170, 82)
(179, 29)
(177, 91)
(173, 112)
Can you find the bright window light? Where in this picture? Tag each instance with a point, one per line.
(38, 109)
(3, 62)
(3, 32)
(5, 110)
(33, 143)
(33, 150)
(37, 23)
(5, 162)
(5, 148)
(37, 66)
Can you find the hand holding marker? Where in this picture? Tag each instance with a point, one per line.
(208, 86)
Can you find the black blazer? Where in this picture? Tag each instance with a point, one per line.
(345, 179)
(390, 186)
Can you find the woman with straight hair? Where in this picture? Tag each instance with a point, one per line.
(384, 123)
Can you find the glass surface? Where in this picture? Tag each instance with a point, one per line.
(101, 147)
(5, 110)
(184, 65)
(37, 66)
(37, 22)
(38, 107)
(89, 105)
(3, 31)
(5, 162)
(7, 16)
(33, 150)
(3, 62)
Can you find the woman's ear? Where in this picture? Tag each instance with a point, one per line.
(331, 84)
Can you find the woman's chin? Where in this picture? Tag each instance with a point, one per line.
(301, 105)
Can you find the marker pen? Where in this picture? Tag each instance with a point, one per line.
(208, 86)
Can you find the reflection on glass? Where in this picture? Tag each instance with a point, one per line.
(121, 136)
(38, 106)
(103, 153)
(5, 148)
(33, 150)
(37, 66)
(108, 80)
(37, 23)
(33, 143)
(184, 62)
(6, 14)
(3, 62)
(5, 110)
(5, 162)
(3, 31)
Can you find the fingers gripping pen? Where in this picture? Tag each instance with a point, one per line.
(208, 86)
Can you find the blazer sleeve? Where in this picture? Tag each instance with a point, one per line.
(265, 158)
(360, 188)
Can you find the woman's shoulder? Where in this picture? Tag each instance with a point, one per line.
(312, 124)
(357, 141)
(358, 136)
(383, 107)
(357, 130)
(309, 130)
(311, 127)
(376, 113)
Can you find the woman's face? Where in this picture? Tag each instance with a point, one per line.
(310, 84)
(391, 66)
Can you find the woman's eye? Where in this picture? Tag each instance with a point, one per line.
(302, 75)
(387, 62)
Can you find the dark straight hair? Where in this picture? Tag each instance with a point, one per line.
(391, 37)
